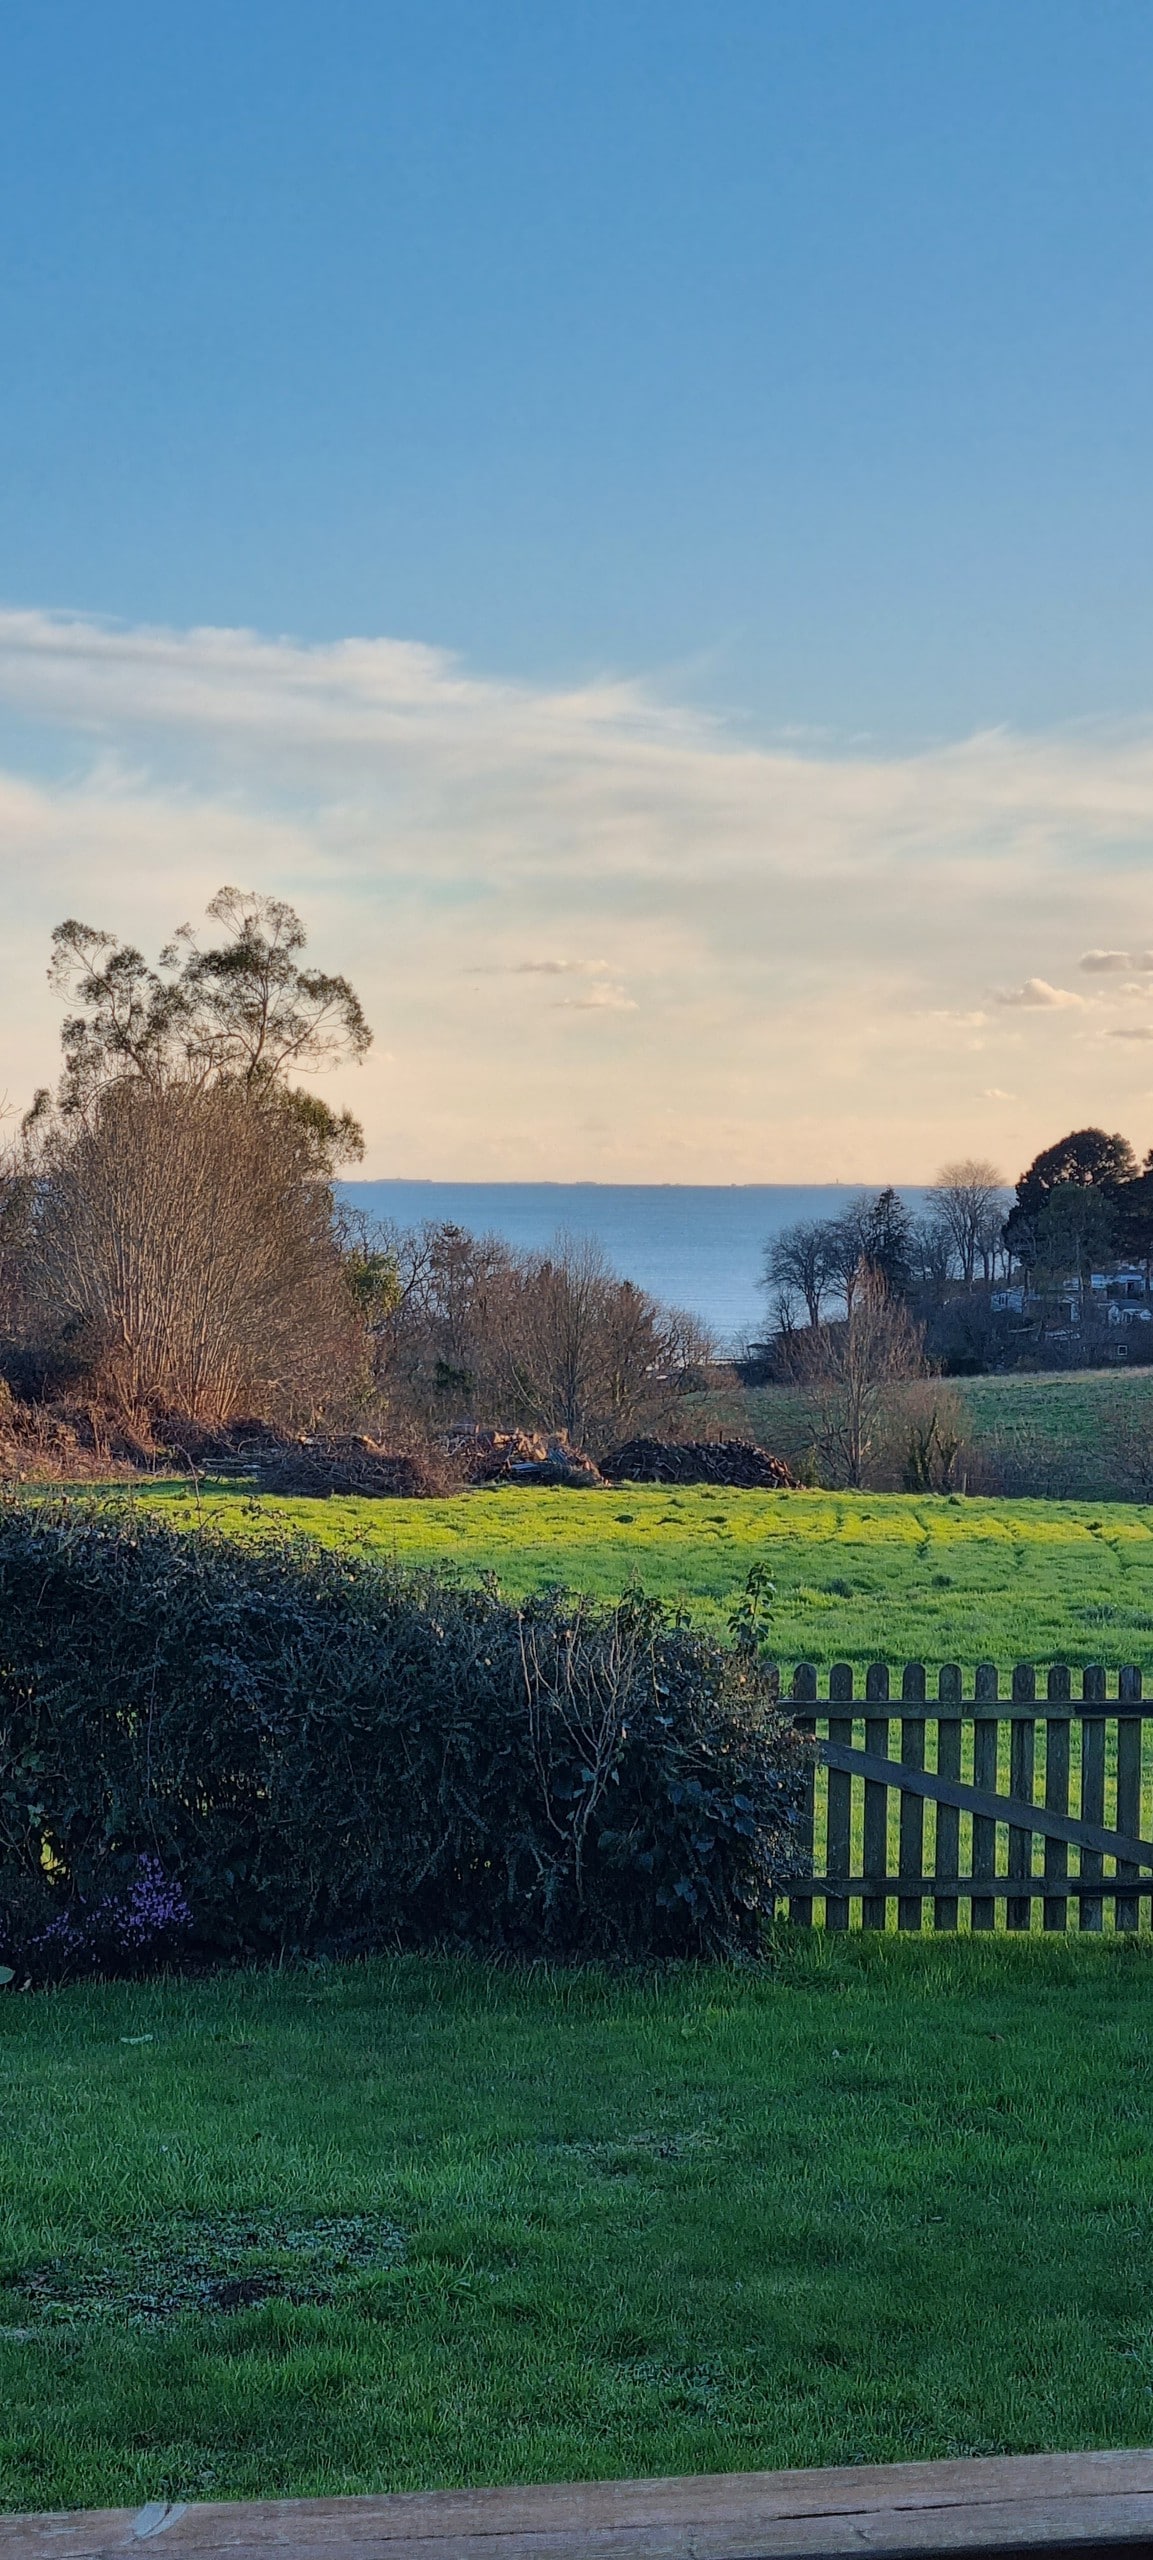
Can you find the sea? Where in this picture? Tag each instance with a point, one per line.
(695, 1245)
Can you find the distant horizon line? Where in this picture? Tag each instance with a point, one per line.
(592, 1182)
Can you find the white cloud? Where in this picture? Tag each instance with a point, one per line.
(1037, 993)
(602, 998)
(808, 931)
(546, 968)
(1138, 1031)
(1103, 961)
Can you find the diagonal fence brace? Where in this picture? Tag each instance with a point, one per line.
(1013, 1809)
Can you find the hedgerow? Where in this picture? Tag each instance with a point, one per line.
(212, 1750)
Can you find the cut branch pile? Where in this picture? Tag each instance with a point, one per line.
(734, 1462)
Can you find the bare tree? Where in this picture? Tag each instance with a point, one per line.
(933, 1256)
(800, 1263)
(585, 1353)
(463, 1329)
(851, 1372)
(970, 1200)
(185, 1240)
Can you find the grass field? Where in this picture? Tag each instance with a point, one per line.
(891, 2200)
(859, 1577)
(1084, 1434)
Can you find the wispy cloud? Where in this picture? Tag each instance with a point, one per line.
(797, 935)
(1038, 996)
(602, 998)
(543, 968)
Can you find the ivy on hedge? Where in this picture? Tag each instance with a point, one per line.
(276, 1750)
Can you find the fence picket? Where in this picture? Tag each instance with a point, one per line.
(839, 1827)
(805, 1694)
(1018, 1912)
(1092, 1786)
(946, 1852)
(1056, 1909)
(874, 1906)
(983, 1907)
(911, 1856)
(1128, 1787)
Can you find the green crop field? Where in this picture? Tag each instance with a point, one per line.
(407, 2224)
(858, 1578)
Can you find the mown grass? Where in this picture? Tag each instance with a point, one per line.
(885, 1577)
(888, 2200)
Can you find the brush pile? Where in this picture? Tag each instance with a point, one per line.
(732, 1462)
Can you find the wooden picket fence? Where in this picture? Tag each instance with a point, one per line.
(994, 1779)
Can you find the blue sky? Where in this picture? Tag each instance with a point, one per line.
(787, 361)
(804, 348)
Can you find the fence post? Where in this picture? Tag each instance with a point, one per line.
(985, 1730)
(946, 1853)
(1056, 1909)
(805, 1694)
(874, 1907)
(839, 1832)
(1129, 1731)
(912, 1835)
(1092, 1784)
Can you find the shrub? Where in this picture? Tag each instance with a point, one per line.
(318, 1756)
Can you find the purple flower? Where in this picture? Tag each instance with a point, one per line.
(134, 1921)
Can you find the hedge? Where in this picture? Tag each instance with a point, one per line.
(213, 1750)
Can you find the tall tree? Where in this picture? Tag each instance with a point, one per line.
(1087, 1159)
(799, 1263)
(968, 1199)
(182, 1244)
(852, 1375)
(243, 1012)
(874, 1233)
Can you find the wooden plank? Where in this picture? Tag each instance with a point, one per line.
(911, 1845)
(1128, 1791)
(1022, 1741)
(983, 1912)
(839, 1832)
(1092, 1784)
(875, 1910)
(1008, 1714)
(1055, 1913)
(804, 1694)
(947, 1850)
(1011, 1809)
(1069, 1888)
(1038, 2503)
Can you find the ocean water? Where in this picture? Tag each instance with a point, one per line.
(695, 1245)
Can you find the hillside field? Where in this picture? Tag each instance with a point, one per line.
(1084, 1434)
(858, 1578)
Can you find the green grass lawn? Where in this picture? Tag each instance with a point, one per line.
(889, 2200)
(859, 1577)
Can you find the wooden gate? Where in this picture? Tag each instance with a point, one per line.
(974, 1813)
